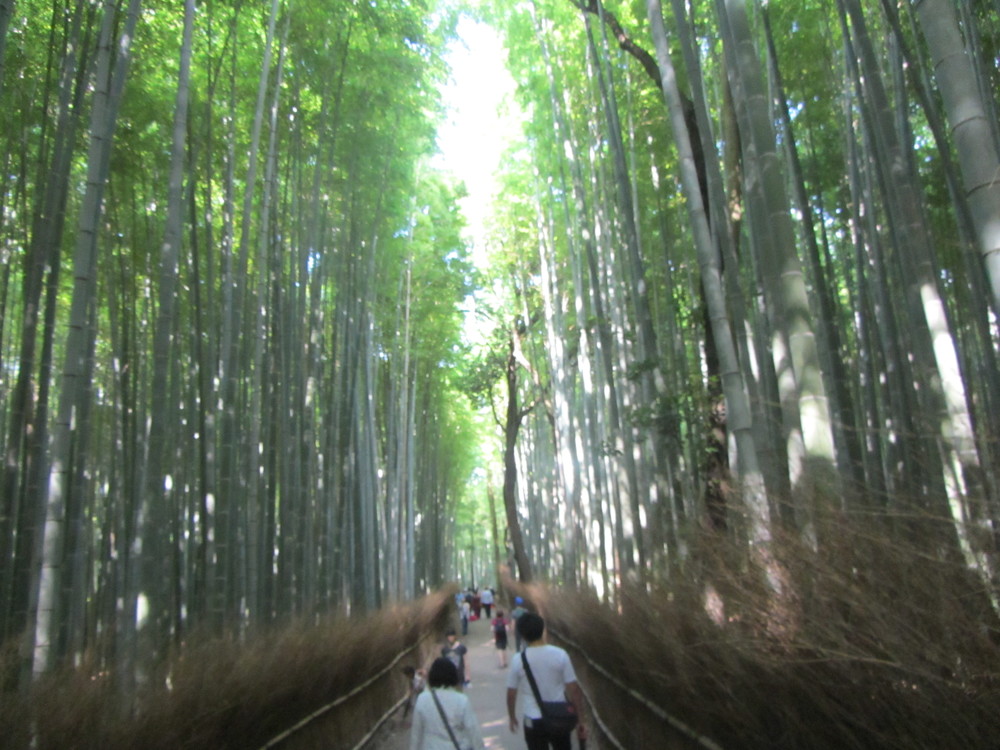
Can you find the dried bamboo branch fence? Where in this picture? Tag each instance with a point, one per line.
(306, 686)
(658, 711)
(323, 711)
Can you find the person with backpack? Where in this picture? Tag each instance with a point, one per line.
(551, 699)
(500, 638)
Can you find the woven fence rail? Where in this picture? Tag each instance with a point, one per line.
(648, 705)
(357, 691)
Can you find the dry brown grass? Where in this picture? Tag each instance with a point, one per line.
(871, 644)
(220, 694)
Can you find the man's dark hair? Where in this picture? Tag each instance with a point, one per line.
(442, 673)
(530, 626)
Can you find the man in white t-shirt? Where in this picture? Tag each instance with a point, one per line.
(556, 680)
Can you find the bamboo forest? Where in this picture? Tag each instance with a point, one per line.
(712, 373)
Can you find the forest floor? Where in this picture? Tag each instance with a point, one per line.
(488, 694)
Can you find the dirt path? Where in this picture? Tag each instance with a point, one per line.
(487, 693)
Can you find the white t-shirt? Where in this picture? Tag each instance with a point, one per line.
(429, 733)
(552, 670)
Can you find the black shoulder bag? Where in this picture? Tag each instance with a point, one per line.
(558, 717)
(445, 720)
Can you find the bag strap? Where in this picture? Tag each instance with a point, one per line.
(531, 681)
(445, 720)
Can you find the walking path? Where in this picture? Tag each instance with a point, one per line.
(487, 693)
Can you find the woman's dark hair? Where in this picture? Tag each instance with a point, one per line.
(530, 626)
(443, 673)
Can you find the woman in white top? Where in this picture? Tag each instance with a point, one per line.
(429, 730)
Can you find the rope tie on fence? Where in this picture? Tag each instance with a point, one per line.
(673, 721)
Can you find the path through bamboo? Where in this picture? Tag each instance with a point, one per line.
(487, 692)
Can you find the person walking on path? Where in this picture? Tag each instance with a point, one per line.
(454, 651)
(555, 679)
(477, 604)
(500, 626)
(515, 616)
(443, 717)
(487, 599)
(485, 695)
(465, 611)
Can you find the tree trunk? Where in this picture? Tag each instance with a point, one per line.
(512, 425)
(977, 151)
(150, 505)
(111, 75)
(945, 394)
(802, 392)
(845, 430)
(754, 494)
(20, 516)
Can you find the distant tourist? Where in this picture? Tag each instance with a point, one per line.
(546, 671)
(465, 611)
(454, 651)
(487, 599)
(443, 718)
(500, 625)
(515, 615)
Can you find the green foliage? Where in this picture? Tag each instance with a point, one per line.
(354, 262)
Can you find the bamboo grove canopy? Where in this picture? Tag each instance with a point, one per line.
(742, 279)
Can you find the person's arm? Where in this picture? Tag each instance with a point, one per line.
(472, 726)
(575, 696)
(512, 708)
